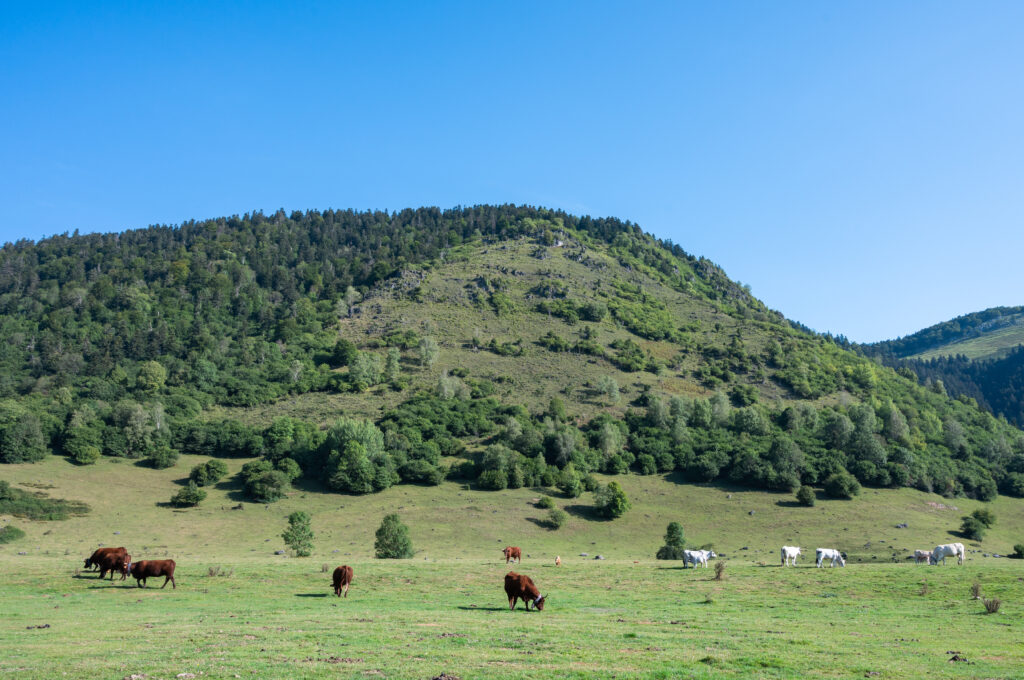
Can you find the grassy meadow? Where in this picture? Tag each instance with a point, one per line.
(628, 616)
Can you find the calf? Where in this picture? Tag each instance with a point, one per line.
(145, 568)
(342, 579)
(512, 553)
(922, 556)
(521, 587)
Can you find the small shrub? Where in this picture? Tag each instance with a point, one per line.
(720, 571)
(10, 533)
(393, 540)
(208, 473)
(1018, 551)
(842, 485)
(324, 568)
(557, 518)
(975, 591)
(162, 457)
(86, 455)
(546, 503)
(189, 496)
(924, 588)
(972, 528)
(992, 605)
(805, 496)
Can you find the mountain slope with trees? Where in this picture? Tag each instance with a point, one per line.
(506, 346)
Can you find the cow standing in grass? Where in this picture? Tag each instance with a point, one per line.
(512, 553)
(522, 587)
(822, 554)
(342, 579)
(696, 557)
(941, 552)
(143, 569)
(922, 556)
(789, 552)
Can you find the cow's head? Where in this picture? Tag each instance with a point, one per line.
(505, 552)
(842, 560)
(539, 602)
(88, 562)
(711, 554)
(126, 566)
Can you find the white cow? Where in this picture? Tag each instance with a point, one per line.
(941, 552)
(789, 552)
(696, 557)
(823, 554)
(922, 556)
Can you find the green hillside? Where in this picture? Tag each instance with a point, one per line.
(502, 347)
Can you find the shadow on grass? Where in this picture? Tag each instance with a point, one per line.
(586, 512)
(789, 504)
(115, 584)
(311, 594)
(542, 523)
(483, 609)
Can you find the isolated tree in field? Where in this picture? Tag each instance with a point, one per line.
(975, 524)
(611, 501)
(210, 472)
(674, 543)
(299, 535)
(393, 540)
(428, 351)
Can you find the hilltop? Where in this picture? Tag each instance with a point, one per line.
(499, 346)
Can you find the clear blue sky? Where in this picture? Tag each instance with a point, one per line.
(859, 164)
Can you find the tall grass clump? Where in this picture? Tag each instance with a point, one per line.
(720, 571)
(992, 605)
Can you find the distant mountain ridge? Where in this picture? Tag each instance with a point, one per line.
(979, 356)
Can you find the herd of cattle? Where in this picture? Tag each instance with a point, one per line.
(118, 560)
(517, 586)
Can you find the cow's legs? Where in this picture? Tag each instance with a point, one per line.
(512, 602)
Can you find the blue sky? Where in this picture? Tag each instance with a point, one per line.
(860, 165)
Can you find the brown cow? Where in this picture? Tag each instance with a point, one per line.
(143, 569)
(521, 586)
(113, 562)
(512, 553)
(342, 579)
(94, 560)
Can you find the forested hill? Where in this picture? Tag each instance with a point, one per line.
(504, 345)
(987, 334)
(977, 355)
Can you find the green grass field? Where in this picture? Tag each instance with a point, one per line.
(612, 619)
(628, 616)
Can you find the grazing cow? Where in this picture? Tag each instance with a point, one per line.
(512, 553)
(922, 556)
(789, 552)
(94, 559)
(143, 569)
(834, 556)
(558, 561)
(521, 587)
(941, 552)
(696, 557)
(113, 562)
(342, 579)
